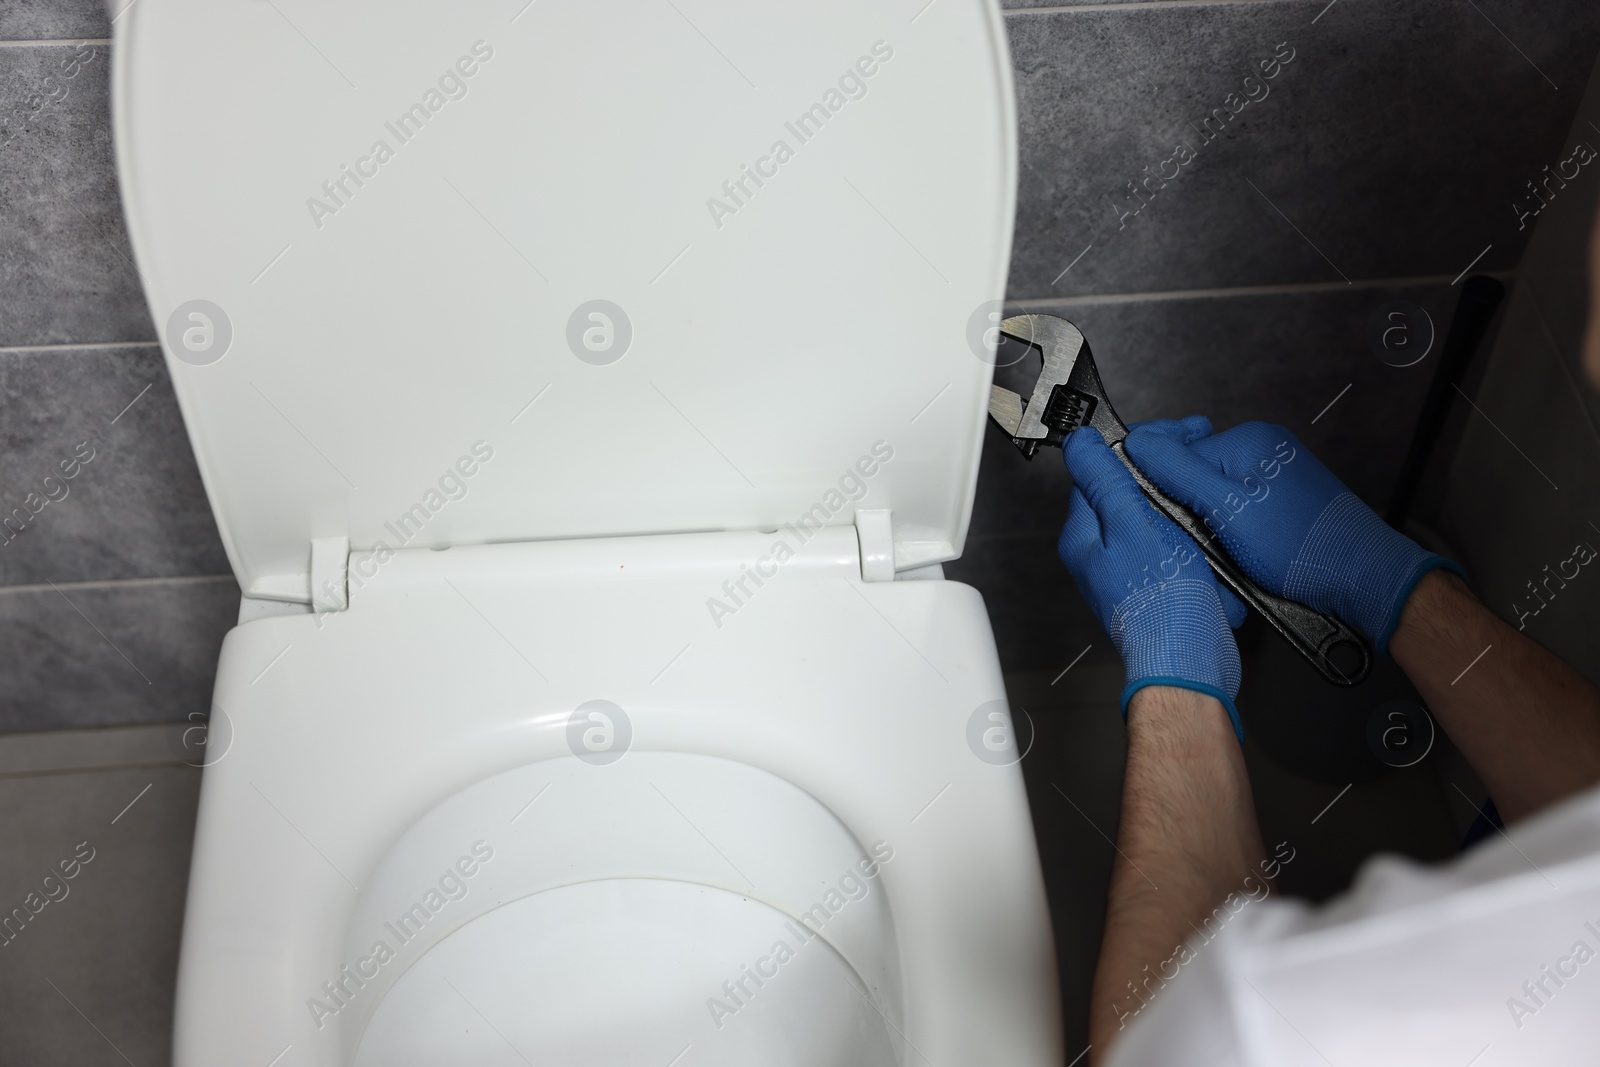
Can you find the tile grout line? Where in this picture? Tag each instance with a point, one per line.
(1152, 296)
(1057, 9)
(1290, 288)
(88, 346)
(117, 583)
(89, 749)
(1072, 9)
(65, 42)
(92, 768)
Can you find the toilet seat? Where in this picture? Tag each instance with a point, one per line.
(858, 696)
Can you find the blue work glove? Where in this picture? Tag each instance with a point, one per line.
(1287, 521)
(1147, 582)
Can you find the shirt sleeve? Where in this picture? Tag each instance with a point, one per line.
(1492, 958)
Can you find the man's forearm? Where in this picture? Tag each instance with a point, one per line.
(1188, 837)
(1528, 723)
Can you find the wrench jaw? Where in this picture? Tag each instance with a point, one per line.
(1005, 408)
(1068, 394)
(1062, 398)
(1066, 410)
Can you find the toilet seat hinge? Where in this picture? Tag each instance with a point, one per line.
(875, 533)
(330, 568)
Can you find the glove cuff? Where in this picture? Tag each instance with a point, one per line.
(1358, 567)
(1177, 629)
(1184, 683)
(1423, 568)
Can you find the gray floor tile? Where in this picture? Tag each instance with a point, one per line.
(53, 20)
(1402, 811)
(136, 509)
(1391, 145)
(60, 751)
(66, 271)
(89, 979)
(132, 652)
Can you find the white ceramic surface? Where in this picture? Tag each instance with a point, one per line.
(381, 326)
(399, 347)
(355, 734)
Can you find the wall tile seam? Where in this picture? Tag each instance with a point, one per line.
(1080, 300)
(97, 768)
(75, 346)
(1283, 289)
(1063, 9)
(1135, 5)
(64, 42)
(98, 584)
(1067, 9)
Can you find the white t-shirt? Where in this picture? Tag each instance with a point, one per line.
(1489, 960)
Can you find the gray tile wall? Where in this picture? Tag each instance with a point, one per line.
(1375, 165)
(54, 20)
(1378, 162)
(1524, 488)
(1390, 145)
(114, 588)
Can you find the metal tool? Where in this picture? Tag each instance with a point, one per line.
(1067, 395)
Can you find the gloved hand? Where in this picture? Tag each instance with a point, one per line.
(1147, 582)
(1286, 520)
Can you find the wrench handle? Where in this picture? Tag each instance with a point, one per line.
(1338, 653)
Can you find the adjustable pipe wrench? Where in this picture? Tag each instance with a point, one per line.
(1067, 395)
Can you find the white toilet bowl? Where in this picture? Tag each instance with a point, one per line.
(683, 752)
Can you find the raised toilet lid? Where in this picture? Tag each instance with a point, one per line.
(375, 236)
